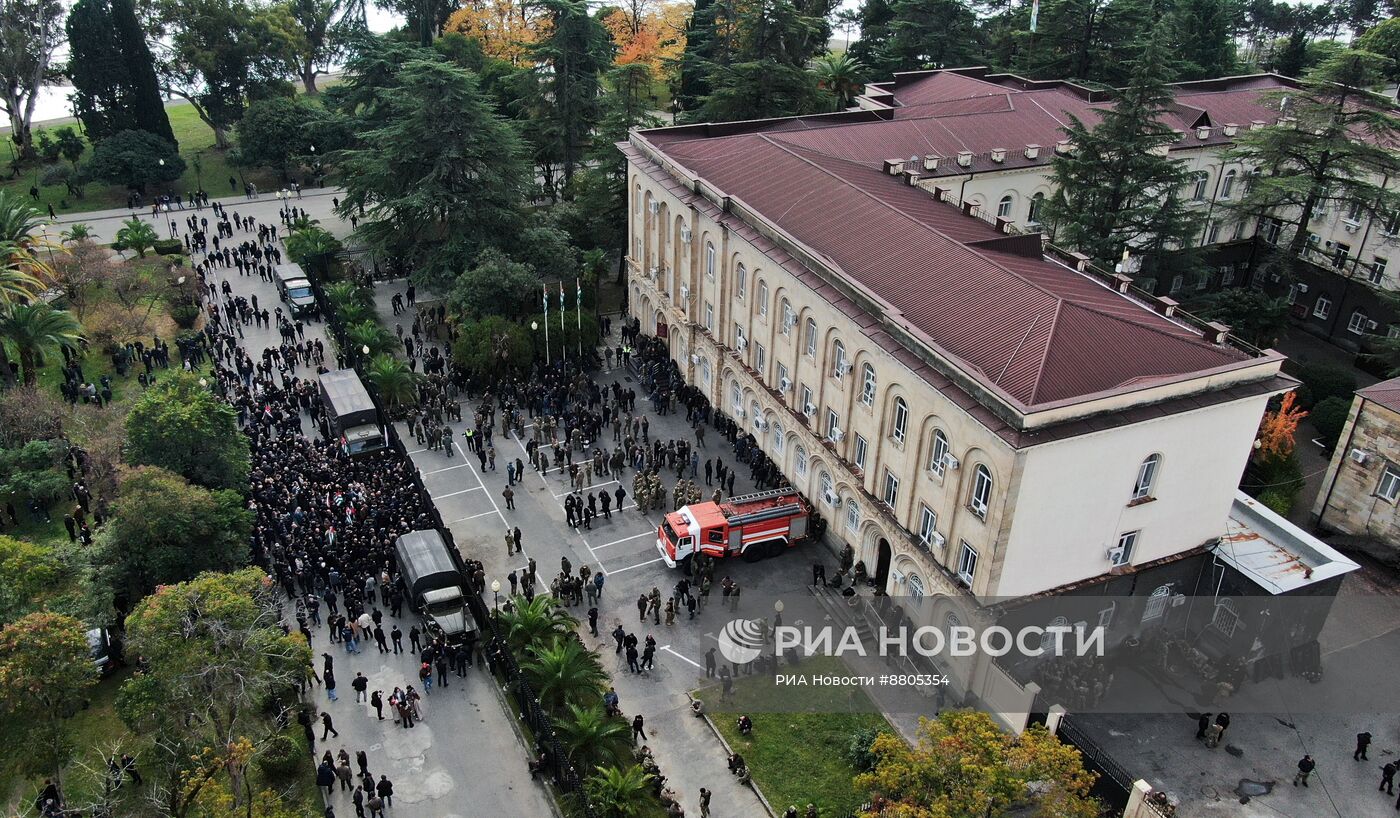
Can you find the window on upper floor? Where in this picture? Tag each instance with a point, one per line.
(741, 281)
(867, 384)
(938, 453)
(839, 366)
(862, 450)
(1323, 307)
(967, 563)
(1358, 322)
(799, 461)
(709, 316)
(1198, 188)
(928, 524)
(1033, 214)
(981, 498)
(852, 516)
(833, 424)
(1123, 554)
(1227, 185)
(778, 441)
(763, 299)
(1146, 477)
(1389, 488)
(828, 489)
(1376, 275)
(809, 332)
(710, 260)
(1004, 207)
(760, 359)
(1353, 212)
(1178, 281)
(889, 490)
(899, 429)
(789, 317)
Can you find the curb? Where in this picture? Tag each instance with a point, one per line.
(762, 799)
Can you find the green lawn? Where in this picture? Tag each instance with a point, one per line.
(196, 141)
(798, 758)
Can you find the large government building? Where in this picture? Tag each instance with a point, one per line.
(974, 411)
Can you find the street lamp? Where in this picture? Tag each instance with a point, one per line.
(535, 337)
(496, 594)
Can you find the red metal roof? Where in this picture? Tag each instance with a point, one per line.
(1386, 393)
(1029, 327)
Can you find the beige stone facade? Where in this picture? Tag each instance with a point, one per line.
(1360, 497)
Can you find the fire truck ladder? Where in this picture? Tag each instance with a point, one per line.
(758, 495)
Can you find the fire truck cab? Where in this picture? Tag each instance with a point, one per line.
(752, 526)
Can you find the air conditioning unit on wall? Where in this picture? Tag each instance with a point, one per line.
(1359, 457)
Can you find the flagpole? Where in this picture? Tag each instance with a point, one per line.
(578, 283)
(546, 323)
(563, 340)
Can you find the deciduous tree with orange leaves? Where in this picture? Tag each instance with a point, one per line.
(649, 33)
(507, 29)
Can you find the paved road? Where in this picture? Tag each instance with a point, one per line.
(465, 758)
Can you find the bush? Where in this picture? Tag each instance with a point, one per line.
(185, 315)
(169, 247)
(1321, 382)
(858, 752)
(118, 246)
(280, 758)
(1329, 416)
(1279, 500)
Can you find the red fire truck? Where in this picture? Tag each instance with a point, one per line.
(752, 526)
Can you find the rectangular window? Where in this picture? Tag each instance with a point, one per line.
(938, 454)
(1227, 275)
(811, 340)
(1389, 488)
(928, 524)
(1273, 228)
(890, 492)
(901, 421)
(739, 340)
(967, 563)
(1357, 323)
(1340, 253)
(784, 382)
(709, 316)
(1377, 274)
(710, 260)
(1212, 233)
(1323, 308)
(833, 423)
(760, 359)
(763, 299)
(861, 449)
(807, 406)
(1123, 554)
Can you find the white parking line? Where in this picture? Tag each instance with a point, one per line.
(586, 488)
(630, 567)
(463, 491)
(473, 517)
(667, 648)
(626, 539)
(449, 468)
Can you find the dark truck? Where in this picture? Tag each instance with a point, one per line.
(350, 414)
(433, 576)
(294, 286)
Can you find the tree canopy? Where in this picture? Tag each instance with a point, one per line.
(180, 425)
(45, 676)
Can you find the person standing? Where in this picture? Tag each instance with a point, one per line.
(327, 726)
(1202, 725)
(396, 636)
(705, 803)
(509, 496)
(360, 685)
(385, 789)
(376, 701)
(1388, 778)
(328, 678)
(1305, 767)
(710, 663)
(593, 620)
(638, 731)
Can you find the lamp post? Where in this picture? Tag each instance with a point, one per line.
(496, 596)
(364, 350)
(535, 337)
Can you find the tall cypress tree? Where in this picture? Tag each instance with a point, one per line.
(1119, 188)
(147, 107)
(577, 49)
(699, 56)
(112, 71)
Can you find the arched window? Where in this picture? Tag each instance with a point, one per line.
(1037, 202)
(981, 498)
(1050, 637)
(741, 281)
(1146, 476)
(1004, 207)
(938, 453)
(705, 370)
(778, 441)
(1157, 603)
(789, 317)
(1198, 190)
(838, 359)
(916, 588)
(1226, 617)
(810, 341)
(757, 415)
(763, 298)
(710, 259)
(901, 420)
(1227, 185)
(852, 516)
(828, 489)
(799, 461)
(867, 384)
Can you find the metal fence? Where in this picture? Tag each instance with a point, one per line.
(1096, 756)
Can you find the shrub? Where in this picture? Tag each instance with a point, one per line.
(1329, 416)
(1321, 381)
(1279, 500)
(185, 315)
(280, 758)
(858, 751)
(169, 247)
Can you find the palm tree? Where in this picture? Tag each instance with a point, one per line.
(839, 75)
(344, 293)
(354, 313)
(368, 334)
(591, 737)
(565, 671)
(17, 280)
(536, 621)
(619, 792)
(313, 247)
(34, 329)
(137, 235)
(397, 384)
(20, 222)
(77, 232)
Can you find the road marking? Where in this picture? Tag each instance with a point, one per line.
(667, 648)
(625, 539)
(630, 567)
(463, 491)
(440, 471)
(488, 494)
(474, 516)
(586, 488)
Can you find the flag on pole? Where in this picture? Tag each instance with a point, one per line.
(561, 305)
(578, 282)
(546, 300)
(1035, 14)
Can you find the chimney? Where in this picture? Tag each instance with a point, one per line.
(1167, 305)
(1203, 133)
(1216, 332)
(968, 207)
(1122, 282)
(911, 177)
(1231, 129)
(998, 155)
(931, 162)
(1064, 147)
(1180, 135)
(894, 166)
(965, 158)
(940, 194)
(1256, 124)
(1081, 261)
(1032, 151)
(1004, 225)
